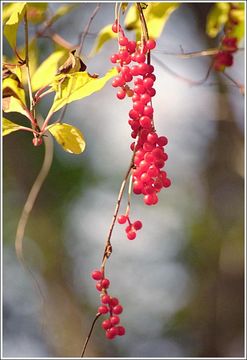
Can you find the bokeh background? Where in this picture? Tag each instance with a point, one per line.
(181, 282)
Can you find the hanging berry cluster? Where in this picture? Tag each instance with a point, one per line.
(110, 306)
(229, 43)
(133, 65)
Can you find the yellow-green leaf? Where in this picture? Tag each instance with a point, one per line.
(12, 104)
(46, 72)
(104, 35)
(69, 137)
(36, 12)
(71, 87)
(12, 87)
(8, 127)
(11, 26)
(156, 15)
(217, 17)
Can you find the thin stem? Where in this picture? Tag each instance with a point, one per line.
(27, 64)
(240, 86)
(89, 334)
(48, 118)
(193, 54)
(144, 29)
(129, 195)
(85, 31)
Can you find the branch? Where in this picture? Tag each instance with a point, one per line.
(86, 29)
(240, 86)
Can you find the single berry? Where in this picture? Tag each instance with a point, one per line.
(122, 219)
(120, 330)
(97, 275)
(118, 309)
(106, 324)
(105, 283)
(103, 309)
(137, 225)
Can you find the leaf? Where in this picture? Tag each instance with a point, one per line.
(124, 6)
(156, 15)
(69, 137)
(72, 87)
(12, 104)
(104, 35)
(217, 17)
(36, 12)
(13, 87)
(46, 72)
(11, 26)
(8, 127)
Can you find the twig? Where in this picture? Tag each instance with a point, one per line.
(89, 334)
(189, 55)
(240, 86)
(85, 32)
(144, 29)
(188, 81)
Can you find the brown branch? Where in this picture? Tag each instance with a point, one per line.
(89, 334)
(236, 83)
(144, 29)
(85, 32)
(188, 81)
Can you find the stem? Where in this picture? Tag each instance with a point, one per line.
(89, 334)
(85, 31)
(27, 64)
(129, 195)
(48, 118)
(240, 86)
(144, 29)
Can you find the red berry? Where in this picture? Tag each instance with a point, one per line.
(106, 324)
(131, 235)
(114, 301)
(114, 320)
(105, 299)
(137, 225)
(97, 275)
(121, 94)
(103, 309)
(120, 330)
(111, 333)
(166, 183)
(123, 41)
(150, 44)
(118, 309)
(122, 219)
(162, 141)
(99, 286)
(105, 283)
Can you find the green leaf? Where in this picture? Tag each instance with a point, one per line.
(8, 127)
(36, 12)
(46, 72)
(69, 137)
(12, 104)
(72, 87)
(13, 87)
(11, 26)
(104, 35)
(217, 17)
(156, 15)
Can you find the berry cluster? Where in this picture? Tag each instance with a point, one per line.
(110, 305)
(133, 64)
(131, 228)
(229, 44)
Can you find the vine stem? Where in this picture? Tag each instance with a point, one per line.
(240, 86)
(89, 334)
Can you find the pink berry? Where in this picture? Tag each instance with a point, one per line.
(111, 333)
(167, 183)
(99, 286)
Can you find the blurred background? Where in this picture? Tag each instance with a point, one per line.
(181, 282)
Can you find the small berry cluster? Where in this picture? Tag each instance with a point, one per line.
(110, 305)
(229, 44)
(131, 228)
